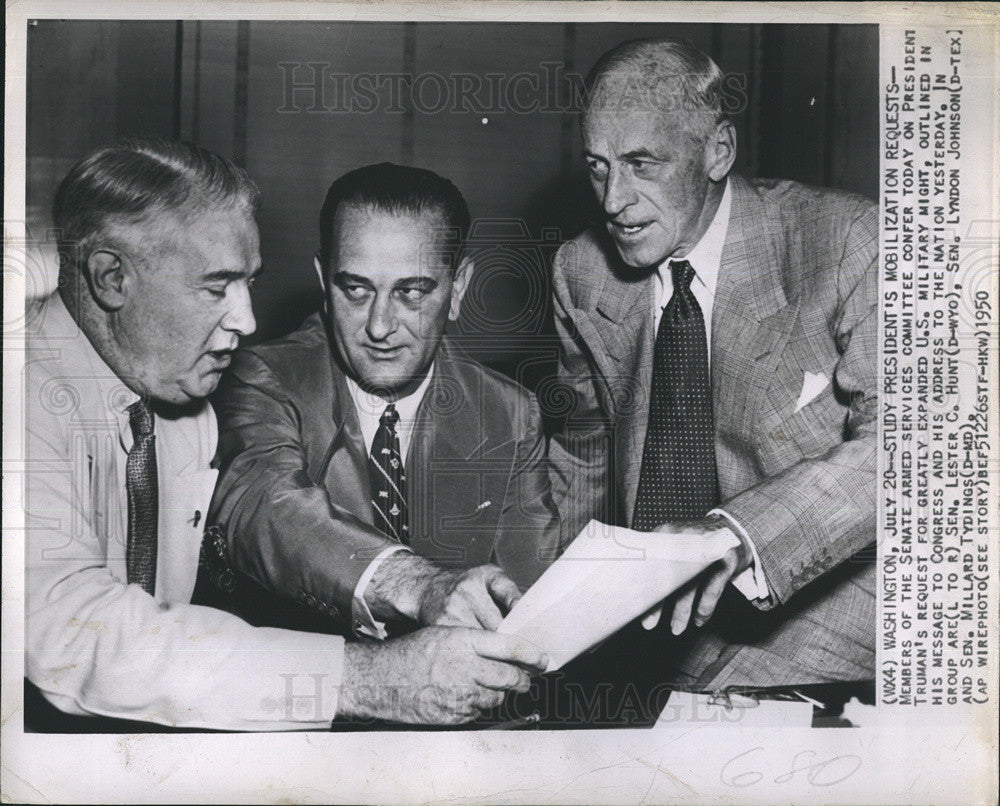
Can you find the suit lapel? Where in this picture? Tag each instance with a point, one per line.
(751, 322)
(752, 318)
(619, 334)
(446, 486)
(345, 469)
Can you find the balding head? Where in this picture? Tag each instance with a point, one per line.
(670, 77)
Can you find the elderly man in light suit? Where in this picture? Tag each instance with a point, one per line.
(719, 335)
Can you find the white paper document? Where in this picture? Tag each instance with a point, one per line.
(606, 578)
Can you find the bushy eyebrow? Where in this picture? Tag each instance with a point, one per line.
(342, 278)
(639, 154)
(636, 154)
(228, 275)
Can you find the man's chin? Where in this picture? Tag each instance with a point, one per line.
(636, 255)
(195, 392)
(388, 384)
(635, 258)
(383, 385)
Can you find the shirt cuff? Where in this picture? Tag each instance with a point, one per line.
(362, 619)
(751, 582)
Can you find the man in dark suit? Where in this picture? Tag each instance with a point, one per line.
(369, 469)
(720, 336)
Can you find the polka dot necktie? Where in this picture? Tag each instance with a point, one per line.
(389, 479)
(143, 503)
(678, 477)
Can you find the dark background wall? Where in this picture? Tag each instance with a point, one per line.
(809, 114)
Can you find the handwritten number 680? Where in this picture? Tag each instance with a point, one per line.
(817, 773)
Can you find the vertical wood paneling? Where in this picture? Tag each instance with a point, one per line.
(503, 158)
(240, 93)
(208, 93)
(852, 141)
(146, 79)
(811, 115)
(793, 127)
(296, 146)
(737, 64)
(509, 136)
(71, 103)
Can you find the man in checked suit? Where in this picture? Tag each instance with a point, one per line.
(368, 467)
(719, 335)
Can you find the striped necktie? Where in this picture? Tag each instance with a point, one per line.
(388, 479)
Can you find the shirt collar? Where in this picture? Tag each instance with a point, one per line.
(406, 407)
(706, 256)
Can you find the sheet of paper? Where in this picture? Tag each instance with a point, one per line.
(606, 578)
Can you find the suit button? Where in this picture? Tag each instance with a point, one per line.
(302, 597)
(333, 611)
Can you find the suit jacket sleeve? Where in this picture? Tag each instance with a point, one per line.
(821, 511)
(282, 529)
(580, 453)
(528, 538)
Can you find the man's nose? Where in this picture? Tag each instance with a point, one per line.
(239, 318)
(618, 192)
(381, 318)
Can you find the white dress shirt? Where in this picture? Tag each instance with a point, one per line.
(369, 408)
(98, 645)
(706, 260)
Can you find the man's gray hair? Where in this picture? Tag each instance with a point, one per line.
(661, 75)
(133, 179)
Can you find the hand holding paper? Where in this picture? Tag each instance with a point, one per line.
(707, 588)
(606, 578)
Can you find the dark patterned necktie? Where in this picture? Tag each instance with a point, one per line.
(143, 503)
(389, 479)
(678, 476)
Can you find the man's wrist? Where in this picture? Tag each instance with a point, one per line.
(749, 578)
(398, 586)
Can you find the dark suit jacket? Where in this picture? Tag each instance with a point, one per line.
(797, 294)
(293, 500)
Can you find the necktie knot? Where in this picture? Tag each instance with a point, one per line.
(682, 273)
(140, 419)
(389, 417)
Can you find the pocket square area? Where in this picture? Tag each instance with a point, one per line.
(812, 384)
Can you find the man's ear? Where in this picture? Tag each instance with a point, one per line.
(459, 285)
(720, 151)
(319, 272)
(106, 277)
(322, 282)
